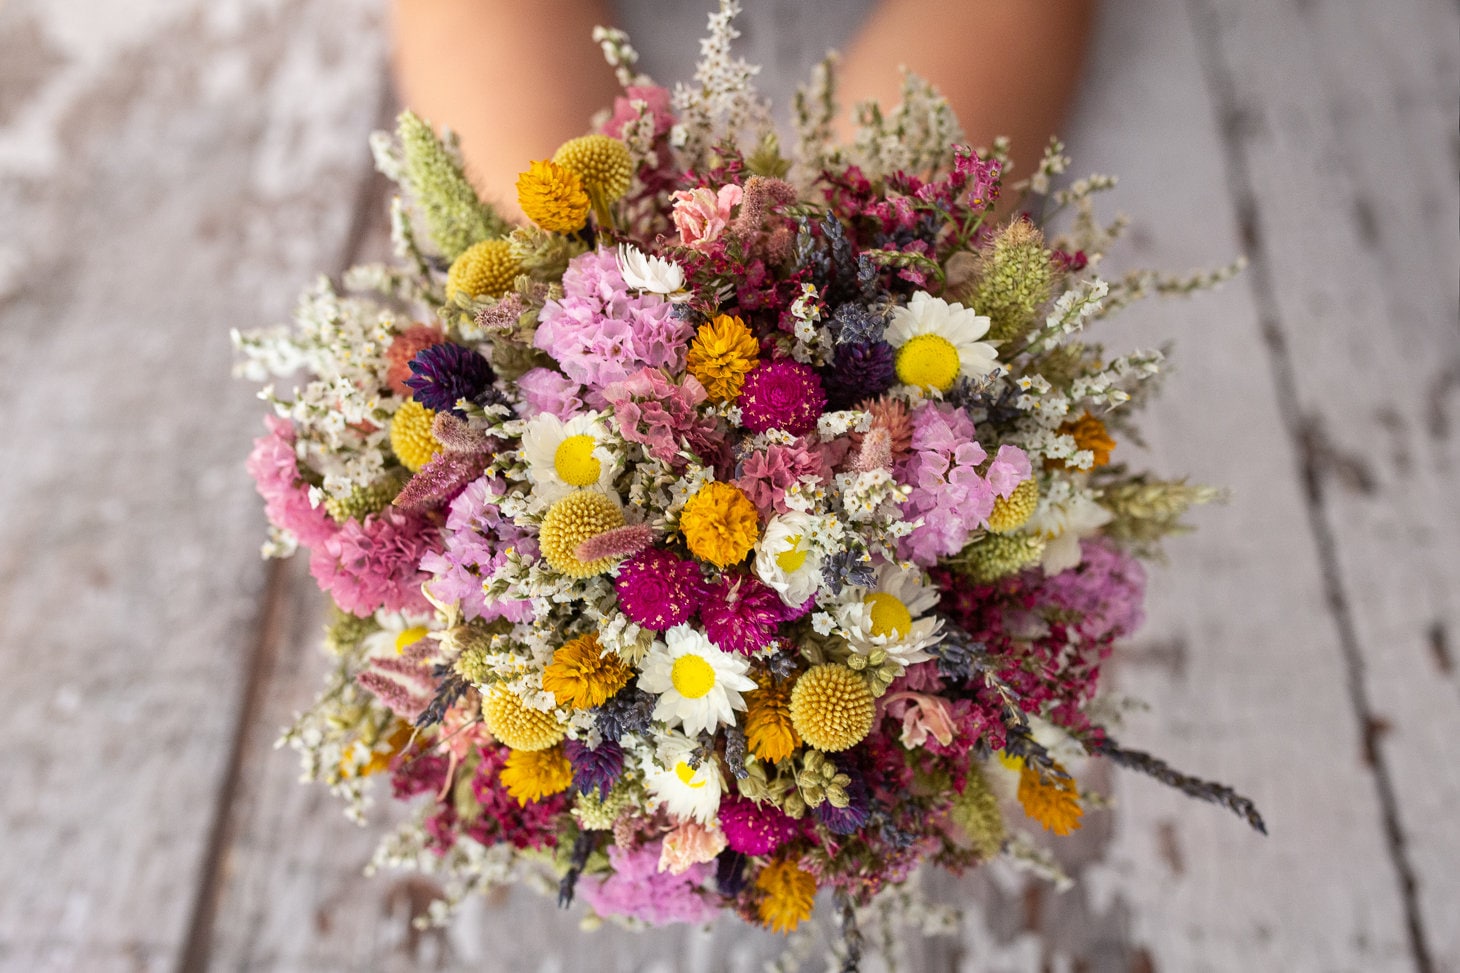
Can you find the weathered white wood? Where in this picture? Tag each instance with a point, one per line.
(1353, 176)
(167, 169)
(1241, 660)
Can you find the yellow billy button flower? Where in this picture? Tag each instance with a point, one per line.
(410, 435)
(1012, 512)
(518, 725)
(576, 518)
(721, 355)
(485, 269)
(553, 197)
(603, 164)
(720, 524)
(832, 708)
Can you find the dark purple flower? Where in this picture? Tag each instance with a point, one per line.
(594, 769)
(859, 371)
(444, 373)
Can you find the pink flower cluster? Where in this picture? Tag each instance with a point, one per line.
(275, 469)
(375, 563)
(600, 333)
(948, 494)
(637, 888)
(654, 411)
(477, 538)
(767, 476)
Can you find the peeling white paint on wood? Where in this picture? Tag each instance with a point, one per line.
(176, 168)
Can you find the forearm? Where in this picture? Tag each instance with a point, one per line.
(1008, 67)
(514, 80)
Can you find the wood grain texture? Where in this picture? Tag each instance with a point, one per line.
(162, 178)
(171, 168)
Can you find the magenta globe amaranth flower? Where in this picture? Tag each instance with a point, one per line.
(783, 395)
(658, 589)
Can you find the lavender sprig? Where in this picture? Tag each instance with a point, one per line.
(1185, 783)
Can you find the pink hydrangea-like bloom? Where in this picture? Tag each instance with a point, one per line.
(1009, 468)
(783, 395)
(546, 390)
(275, 470)
(636, 102)
(658, 589)
(766, 476)
(477, 538)
(1106, 589)
(375, 563)
(690, 844)
(701, 215)
(601, 333)
(660, 415)
(948, 494)
(741, 613)
(639, 889)
(755, 829)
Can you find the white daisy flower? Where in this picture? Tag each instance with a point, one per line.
(398, 632)
(566, 456)
(1064, 523)
(786, 560)
(645, 273)
(936, 342)
(698, 685)
(688, 793)
(889, 616)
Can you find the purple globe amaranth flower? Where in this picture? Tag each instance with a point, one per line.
(741, 613)
(659, 589)
(594, 768)
(781, 395)
(442, 374)
(859, 371)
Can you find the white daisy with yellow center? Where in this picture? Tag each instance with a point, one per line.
(889, 615)
(698, 685)
(398, 632)
(935, 343)
(786, 560)
(689, 789)
(567, 456)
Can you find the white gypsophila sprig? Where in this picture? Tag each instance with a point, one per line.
(814, 111)
(916, 135)
(723, 105)
(1119, 381)
(620, 55)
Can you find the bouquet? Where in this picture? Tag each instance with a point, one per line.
(745, 525)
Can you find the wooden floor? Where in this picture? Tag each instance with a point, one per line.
(173, 168)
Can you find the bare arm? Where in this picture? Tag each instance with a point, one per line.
(514, 80)
(1008, 67)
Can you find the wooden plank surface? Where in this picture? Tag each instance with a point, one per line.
(168, 169)
(176, 168)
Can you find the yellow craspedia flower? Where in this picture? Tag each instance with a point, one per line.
(410, 435)
(578, 517)
(485, 269)
(1014, 511)
(769, 730)
(553, 197)
(531, 775)
(603, 164)
(1054, 801)
(722, 353)
(788, 895)
(518, 725)
(720, 524)
(582, 675)
(832, 708)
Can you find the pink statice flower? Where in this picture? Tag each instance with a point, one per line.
(1106, 591)
(546, 390)
(477, 538)
(1009, 468)
(662, 416)
(639, 101)
(275, 470)
(376, 563)
(600, 332)
(701, 215)
(948, 494)
(767, 476)
(637, 888)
